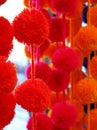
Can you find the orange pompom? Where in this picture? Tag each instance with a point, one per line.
(86, 39)
(93, 65)
(86, 91)
(27, 51)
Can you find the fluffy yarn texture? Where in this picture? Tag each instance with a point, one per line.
(86, 39)
(58, 81)
(6, 37)
(93, 15)
(64, 115)
(7, 106)
(93, 65)
(33, 95)
(31, 27)
(65, 59)
(86, 91)
(8, 77)
(58, 29)
(42, 71)
(43, 122)
(64, 6)
(2, 1)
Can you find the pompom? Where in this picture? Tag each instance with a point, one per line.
(44, 3)
(7, 106)
(65, 59)
(93, 15)
(31, 27)
(86, 39)
(27, 51)
(2, 1)
(64, 6)
(58, 81)
(64, 115)
(43, 122)
(6, 37)
(86, 91)
(42, 71)
(8, 77)
(93, 65)
(33, 95)
(58, 29)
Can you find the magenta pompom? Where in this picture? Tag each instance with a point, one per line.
(31, 27)
(66, 59)
(64, 115)
(58, 81)
(33, 95)
(42, 71)
(64, 6)
(58, 29)
(6, 37)
(7, 106)
(43, 122)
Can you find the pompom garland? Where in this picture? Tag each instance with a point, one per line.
(64, 6)
(86, 91)
(6, 37)
(31, 27)
(43, 122)
(7, 106)
(33, 95)
(86, 40)
(65, 59)
(8, 77)
(64, 115)
(2, 2)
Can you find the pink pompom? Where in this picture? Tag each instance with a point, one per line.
(33, 95)
(64, 6)
(58, 81)
(66, 59)
(58, 29)
(31, 27)
(43, 122)
(6, 37)
(64, 115)
(7, 106)
(42, 71)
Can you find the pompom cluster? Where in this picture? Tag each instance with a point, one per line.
(33, 95)
(8, 77)
(6, 37)
(31, 27)
(7, 106)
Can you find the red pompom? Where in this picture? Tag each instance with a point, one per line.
(6, 37)
(31, 27)
(43, 122)
(64, 115)
(58, 29)
(42, 71)
(2, 1)
(64, 6)
(33, 95)
(7, 106)
(66, 59)
(58, 81)
(8, 77)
